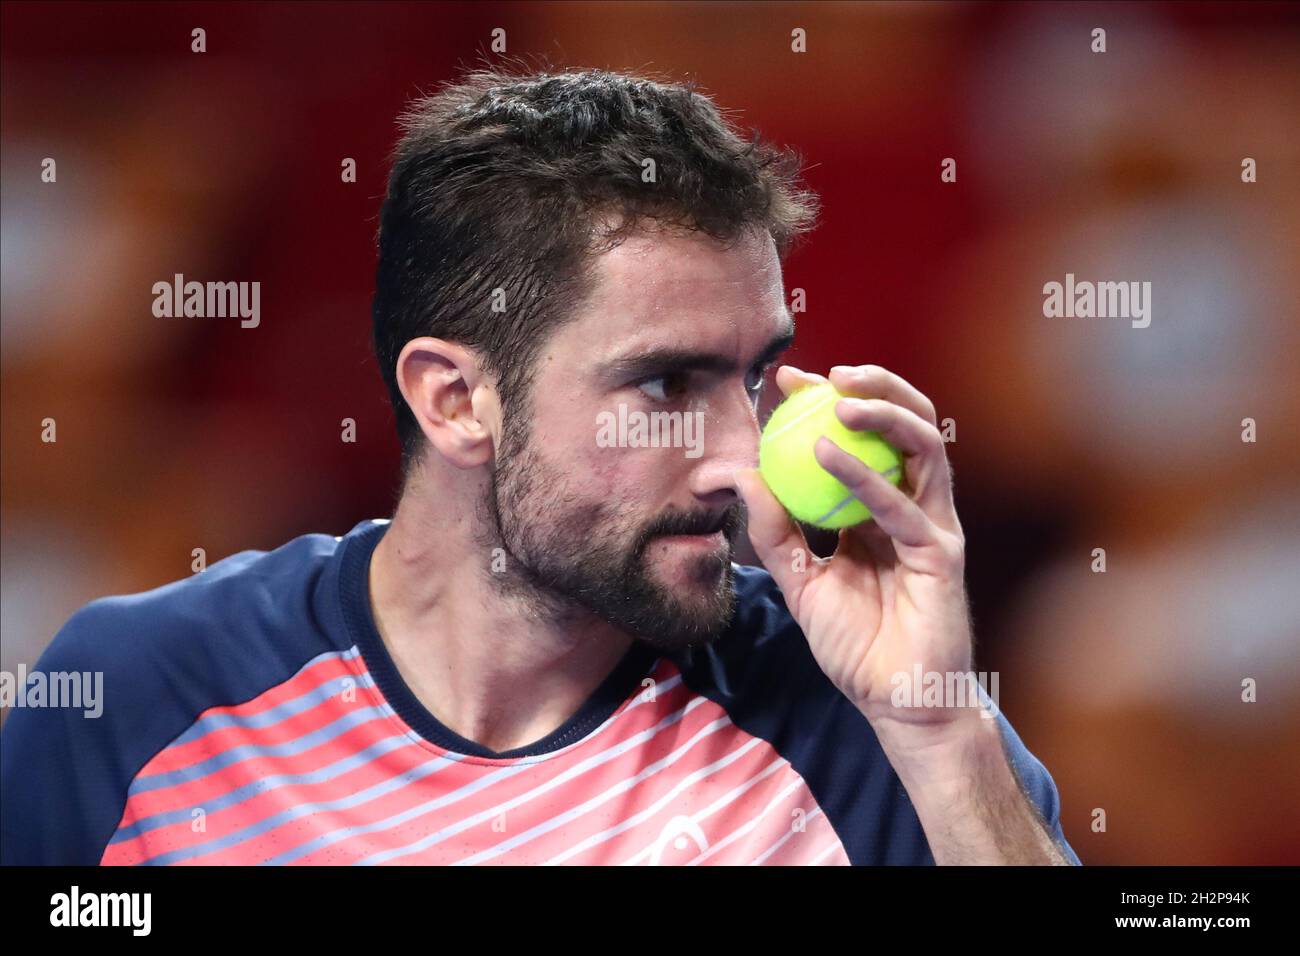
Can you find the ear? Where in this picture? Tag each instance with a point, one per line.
(454, 402)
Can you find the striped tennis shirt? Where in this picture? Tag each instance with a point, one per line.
(252, 714)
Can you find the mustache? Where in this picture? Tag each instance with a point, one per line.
(729, 521)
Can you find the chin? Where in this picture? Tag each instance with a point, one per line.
(701, 573)
(695, 619)
(700, 583)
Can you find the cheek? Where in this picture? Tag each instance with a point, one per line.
(630, 475)
(593, 454)
(589, 470)
(606, 470)
(570, 444)
(610, 473)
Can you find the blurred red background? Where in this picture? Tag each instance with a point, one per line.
(1071, 434)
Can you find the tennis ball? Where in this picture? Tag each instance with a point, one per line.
(787, 462)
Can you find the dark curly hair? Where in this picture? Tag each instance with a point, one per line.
(516, 181)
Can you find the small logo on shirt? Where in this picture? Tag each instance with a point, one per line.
(682, 831)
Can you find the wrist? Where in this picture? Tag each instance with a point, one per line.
(940, 761)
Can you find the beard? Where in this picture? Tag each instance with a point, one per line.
(567, 556)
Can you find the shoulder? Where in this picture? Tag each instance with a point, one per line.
(763, 647)
(762, 650)
(195, 620)
(134, 671)
(762, 622)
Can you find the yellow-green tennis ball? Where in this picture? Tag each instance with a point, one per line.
(789, 466)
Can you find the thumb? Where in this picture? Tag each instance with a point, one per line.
(774, 534)
(790, 379)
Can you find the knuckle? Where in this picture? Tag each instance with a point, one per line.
(952, 549)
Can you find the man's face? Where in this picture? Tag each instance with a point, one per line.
(669, 351)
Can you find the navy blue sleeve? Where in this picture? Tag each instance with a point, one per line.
(1037, 784)
(165, 656)
(63, 772)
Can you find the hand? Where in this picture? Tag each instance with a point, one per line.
(892, 596)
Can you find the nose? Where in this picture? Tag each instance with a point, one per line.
(729, 441)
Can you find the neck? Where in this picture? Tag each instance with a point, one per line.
(480, 659)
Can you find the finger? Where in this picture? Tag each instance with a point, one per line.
(774, 534)
(790, 379)
(897, 515)
(872, 381)
(925, 458)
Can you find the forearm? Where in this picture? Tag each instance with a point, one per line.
(966, 795)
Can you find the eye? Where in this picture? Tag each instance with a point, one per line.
(757, 376)
(664, 388)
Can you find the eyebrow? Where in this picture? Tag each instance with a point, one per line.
(669, 359)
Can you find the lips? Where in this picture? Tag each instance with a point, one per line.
(713, 538)
(716, 534)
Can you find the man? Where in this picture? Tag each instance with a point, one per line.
(547, 655)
